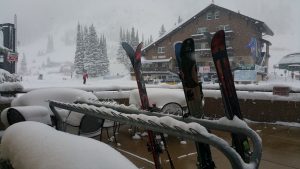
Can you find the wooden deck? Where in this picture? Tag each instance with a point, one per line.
(281, 149)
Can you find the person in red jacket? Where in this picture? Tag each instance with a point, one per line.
(85, 76)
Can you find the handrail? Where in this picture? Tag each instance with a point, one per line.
(190, 128)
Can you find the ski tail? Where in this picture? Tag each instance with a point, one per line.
(193, 94)
(228, 91)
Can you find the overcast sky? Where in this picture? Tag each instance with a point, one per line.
(38, 18)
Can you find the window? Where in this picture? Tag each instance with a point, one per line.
(1, 58)
(204, 45)
(226, 28)
(209, 16)
(217, 14)
(202, 30)
(223, 27)
(161, 50)
(228, 43)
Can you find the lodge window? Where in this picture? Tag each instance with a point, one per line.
(228, 43)
(202, 30)
(209, 16)
(161, 50)
(223, 27)
(204, 45)
(217, 14)
(1, 58)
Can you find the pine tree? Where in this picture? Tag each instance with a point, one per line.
(79, 54)
(92, 53)
(104, 66)
(23, 66)
(179, 20)
(85, 45)
(126, 36)
(162, 30)
(50, 45)
(121, 53)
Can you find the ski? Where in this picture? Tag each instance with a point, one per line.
(193, 94)
(228, 91)
(135, 58)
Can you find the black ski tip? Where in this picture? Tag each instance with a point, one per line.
(218, 42)
(188, 45)
(177, 49)
(128, 49)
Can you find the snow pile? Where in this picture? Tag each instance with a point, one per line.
(44, 147)
(41, 96)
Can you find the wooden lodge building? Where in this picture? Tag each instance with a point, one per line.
(159, 57)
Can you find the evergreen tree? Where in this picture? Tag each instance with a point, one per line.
(50, 45)
(79, 54)
(85, 45)
(179, 20)
(104, 66)
(23, 66)
(121, 55)
(162, 30)
(92, 53)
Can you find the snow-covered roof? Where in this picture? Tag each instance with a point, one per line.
(293, 58)
(264, 27)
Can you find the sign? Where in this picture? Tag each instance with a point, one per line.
(281, 90)
(12, 57)
(245, 75)
(204, 69)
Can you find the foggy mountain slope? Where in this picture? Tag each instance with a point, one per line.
(41, 62)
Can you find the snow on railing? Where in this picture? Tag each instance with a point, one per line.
(190, 128)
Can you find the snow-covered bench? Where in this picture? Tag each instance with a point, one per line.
(33, 145)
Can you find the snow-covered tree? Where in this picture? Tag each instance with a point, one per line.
(162, 30)
(79, 54)
(179, 20)
(23, 66)
(121, 55)
(103, 67)
(85, 45)
(50, 44)
(92, 53)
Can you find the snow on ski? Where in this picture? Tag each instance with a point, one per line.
(193, 93)
(228, 91)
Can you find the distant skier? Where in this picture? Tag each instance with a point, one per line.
(85, 76)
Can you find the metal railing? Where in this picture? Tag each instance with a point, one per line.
(190, 128)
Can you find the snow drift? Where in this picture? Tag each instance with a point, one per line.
(44, 147)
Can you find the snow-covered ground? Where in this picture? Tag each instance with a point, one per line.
(51, 149)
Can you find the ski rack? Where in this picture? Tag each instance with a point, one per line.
(190, 127)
